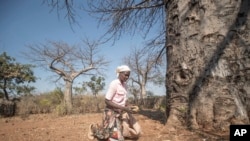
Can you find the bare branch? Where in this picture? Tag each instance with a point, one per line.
(58, 71)
(144, 68)
(67, 61)
(128, 16)
(65, 6)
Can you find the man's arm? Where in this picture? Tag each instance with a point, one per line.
(116, 106)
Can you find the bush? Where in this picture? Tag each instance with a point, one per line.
(37, 104)
(61, 110)
(26, 106)
(7, 108)
(52, 102)
(88, 103)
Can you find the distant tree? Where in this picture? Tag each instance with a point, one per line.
(14, 77)
(145, 68)
(79, 89)
(134, 90)
(68, 62)
(96, 84)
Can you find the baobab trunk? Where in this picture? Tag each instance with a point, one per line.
(68, 97)
(208, 58)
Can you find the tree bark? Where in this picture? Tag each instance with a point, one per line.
(6, 95)
(142, 93)
(208, 64)
(143, 90)
(68, 97)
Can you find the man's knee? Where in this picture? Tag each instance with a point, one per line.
(131, 132)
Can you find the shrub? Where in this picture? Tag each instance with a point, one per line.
(61, 110)
(52, 102)
(7, 108)
(88, 103)
(26, 106)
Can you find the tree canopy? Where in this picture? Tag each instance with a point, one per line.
(95, 84)
(14, 77)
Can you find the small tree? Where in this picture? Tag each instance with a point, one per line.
(14, 77)
(96, 84)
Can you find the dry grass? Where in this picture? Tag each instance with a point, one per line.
(52, 103)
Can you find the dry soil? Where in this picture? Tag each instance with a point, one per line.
(49, 127)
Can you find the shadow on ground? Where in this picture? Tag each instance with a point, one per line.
(154, 115)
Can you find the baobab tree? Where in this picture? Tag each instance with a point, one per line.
(208, 58)
(67, 62)
(207, 55)
(207, 51)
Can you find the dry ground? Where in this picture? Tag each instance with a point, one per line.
(49, 127)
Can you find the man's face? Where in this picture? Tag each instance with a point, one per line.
(124, 76)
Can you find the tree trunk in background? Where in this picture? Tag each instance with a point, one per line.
(208, 55)
(68, 97)
(143, 92)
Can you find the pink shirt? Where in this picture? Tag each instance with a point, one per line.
(117, 92)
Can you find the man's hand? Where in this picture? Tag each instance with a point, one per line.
(132, 109)
(135, 109)
(128, 110)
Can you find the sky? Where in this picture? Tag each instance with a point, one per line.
(31, 22)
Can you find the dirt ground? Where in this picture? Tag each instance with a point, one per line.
(49, 127)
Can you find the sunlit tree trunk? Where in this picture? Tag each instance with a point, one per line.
(143, 92)
(68, 97)
(208, 58)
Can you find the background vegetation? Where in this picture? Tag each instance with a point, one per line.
(50, 102)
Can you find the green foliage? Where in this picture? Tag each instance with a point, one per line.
(56, 96)
(14, 77)
(61, 110)
(50, 101)
(95, 84)
(79, 90)
(44, 102)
